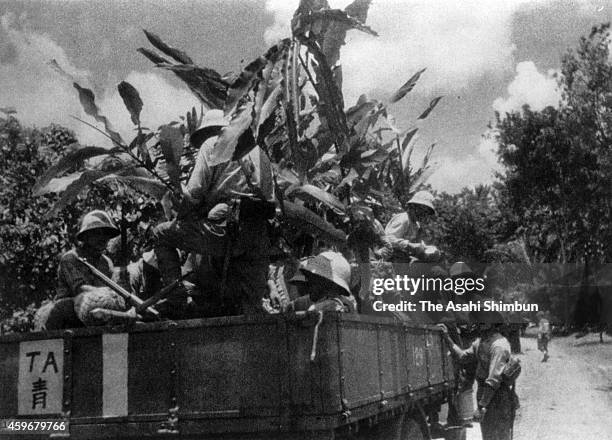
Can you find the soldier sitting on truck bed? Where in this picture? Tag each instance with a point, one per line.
(92, 301)
(238, 251)
(325, 279)
(405, 231)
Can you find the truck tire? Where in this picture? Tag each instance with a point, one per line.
(412, 430)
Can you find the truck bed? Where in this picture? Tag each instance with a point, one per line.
(223, 376)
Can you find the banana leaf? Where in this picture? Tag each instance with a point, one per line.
(310, 222)
(88, 101)
(310, 192)
(177, 54)
(71, 160)
(131, 99)
(406, 88)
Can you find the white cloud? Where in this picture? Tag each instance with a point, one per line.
(281, 28)
(478, 168)
(531, 87)
(455, 41)
(42, 96)
(528, 87)
(28, 82)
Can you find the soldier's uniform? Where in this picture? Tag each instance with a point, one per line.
(411, 257)
(401, 227)
(144, 277)
(79, 290)
(496, 398)
(405, 232)
(238, 252)
(72, 274)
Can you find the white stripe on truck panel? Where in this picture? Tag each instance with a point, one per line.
(114, 374)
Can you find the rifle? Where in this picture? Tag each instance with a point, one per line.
(132, 299)
(161, 294)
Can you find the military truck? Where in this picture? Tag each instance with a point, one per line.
(303, 376)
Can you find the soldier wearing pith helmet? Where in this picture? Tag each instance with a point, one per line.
(96, 228)
(327, 278)
(405, 230)
(78, 290)
(490, 353)
(238, 248)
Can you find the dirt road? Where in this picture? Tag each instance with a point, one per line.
(567, 398)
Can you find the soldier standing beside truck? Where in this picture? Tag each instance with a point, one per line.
(497, 400)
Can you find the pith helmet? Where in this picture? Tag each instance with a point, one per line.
(97, 220)
(424, 198)
(460, 269)
(331, 266)
(212, 122)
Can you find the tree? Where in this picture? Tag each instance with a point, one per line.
(558, 175)
(468, 223)
(28, 247)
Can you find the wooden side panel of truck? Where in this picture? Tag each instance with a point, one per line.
(229, 376)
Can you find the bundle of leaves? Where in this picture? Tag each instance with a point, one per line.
(287, 102)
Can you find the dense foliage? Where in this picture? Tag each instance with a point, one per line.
(31, 241)
(557, 161)
(469, 223)
(558, 181)
(328, 160)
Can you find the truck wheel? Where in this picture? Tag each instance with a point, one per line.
(411, 430)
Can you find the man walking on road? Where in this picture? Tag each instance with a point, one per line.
(544, 334)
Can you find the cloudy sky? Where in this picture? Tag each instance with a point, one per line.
(482, 55)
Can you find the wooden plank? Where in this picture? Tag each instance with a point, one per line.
(359, 362)
(9, 366)
(87, 376)
(149, 365)
(114, 374)
(416, 358)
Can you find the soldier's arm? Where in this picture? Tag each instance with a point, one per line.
(200, 180)
(396, 228)
(384, 248)
(73, 275)
(499, 357)
(329, 305)
(464, 356)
